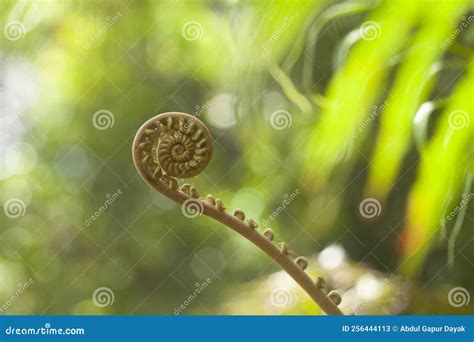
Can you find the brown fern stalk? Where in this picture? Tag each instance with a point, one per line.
(172, 146)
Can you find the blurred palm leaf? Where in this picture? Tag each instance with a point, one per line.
(412, 86)
(358, 85)
(363, 81)
(443, 165)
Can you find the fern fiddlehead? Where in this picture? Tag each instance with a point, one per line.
(178, 145)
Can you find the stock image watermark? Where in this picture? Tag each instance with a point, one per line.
(281, 119)
(199, 111)
(109, 22)
(465, 22)
(370, 30)
(465, 201)
(110, 199)
(103, 296)
(14, 208)
(375, 294)
(20, 289)
(459, 119)
(192, 208)
(287, 199)
(459, 297)
(199, 289)
(14, 30)
(281, 297)
(377, 110)
(192, 30)
(47, 329)
(103, 119)
(370, 208)
(288, 21)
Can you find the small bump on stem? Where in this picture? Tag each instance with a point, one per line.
(284, 248)
(268, 233)
(220, 205)
(186, 188)
(320, 283)
(239, 213)
(211, 200)
(252, 224)
(335, 297)
(194, 192)
(302, 262)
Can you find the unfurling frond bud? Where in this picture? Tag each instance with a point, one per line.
(172, 146)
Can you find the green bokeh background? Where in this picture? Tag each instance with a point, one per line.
(233, 64)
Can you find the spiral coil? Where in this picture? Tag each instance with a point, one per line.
(172, 145)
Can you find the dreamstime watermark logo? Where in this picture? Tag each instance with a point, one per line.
(199, 111)
(14, 208)
(365, 302)
(377, 110)
(20, 288)
(110, 198)
(459, 119)
(199, 288)
(41, 331)
(370, 208)
(281, 297)
(103, 296)
(465, 201)
(281, 119)
(461, 27)
(277, 33)
(370, 30)
(287, 199)
(192, 208)
(103, 119)
(103, 30)
(459, 296)
(192, 30)
(14, 30)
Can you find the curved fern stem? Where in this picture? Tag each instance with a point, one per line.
(173, 145)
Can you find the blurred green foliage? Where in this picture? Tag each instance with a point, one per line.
(347, 79)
